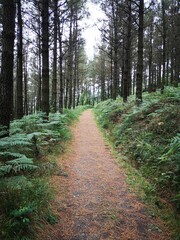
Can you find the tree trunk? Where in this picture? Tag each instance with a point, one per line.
(150, 85)
(61, 96)
(45, 57)
(70, 62)
(102, 75)
(54, 79)
(176, 80)
(75, 56)
(127, 63)
(111, 80)
(6, 81)
(25, 84)
(115, 50)
(66, 85)
(159, 74)
(77, 79)
(139, 74)
(39, 96)
(19, 89)
(164, 46)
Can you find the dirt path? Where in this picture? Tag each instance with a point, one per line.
(93, 201)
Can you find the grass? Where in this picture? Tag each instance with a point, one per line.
(147, 140)
(25, 192)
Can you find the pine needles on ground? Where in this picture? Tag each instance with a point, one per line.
(25, 193)
(149, 136)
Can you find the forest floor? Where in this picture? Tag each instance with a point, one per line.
(93, 200)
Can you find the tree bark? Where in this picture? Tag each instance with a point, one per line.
(6, 81)
(139, 74)
(45, 57)
(150, 84)
(25, 83)
(54, 80)
(61, 96)
(70, 62)
(102, 75)
(39, 96)
(164, 46)
(115, 57)
(19, 87)
(127, 62)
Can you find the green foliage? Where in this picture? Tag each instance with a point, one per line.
(27, 124)
(24, 190)
(52, 219)
(72, 115)
(3, 131)
(23, 202)
(109, 112)
(170, 161)
(15, 166)
(14, 141)
(149, 136)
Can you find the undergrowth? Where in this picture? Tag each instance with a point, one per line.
(25, 193)
(148, 137)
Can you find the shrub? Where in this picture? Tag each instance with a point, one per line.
(149, 136)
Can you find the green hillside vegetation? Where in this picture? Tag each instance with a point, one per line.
(149, 138)
(26, 162)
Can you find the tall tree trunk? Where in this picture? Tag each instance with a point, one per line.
(159, 74)
(70, 61)
(54, 79)
(150, 85)
(164, 46)
(115, 56)
(75, 56)
(45, 57)
(75, 75)
(102, 75)
(127, 63)
(139, 74)
(176, 80)
(39, 96)
(111, 80)
(66, 84)
(177, 68)
(61, 97)
(167, 71)
(77, 79)
(19, 89)
(6, 81)
(25, 84)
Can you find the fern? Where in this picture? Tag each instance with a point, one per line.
(3, 131)
(175, 144)
(148, 135)
(30, 136)
(14, 183)
(7, 155)
(18, 190)
(15, 140)
(43, 137)
(17, 165)
(27, 124)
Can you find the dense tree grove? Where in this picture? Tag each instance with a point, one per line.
(141, 43)
(43, 62)
(42, 53)
(47, 80)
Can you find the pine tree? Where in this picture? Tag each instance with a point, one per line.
(6, 81)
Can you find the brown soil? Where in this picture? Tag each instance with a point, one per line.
(93, 201)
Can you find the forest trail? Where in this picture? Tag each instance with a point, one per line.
(93, 201)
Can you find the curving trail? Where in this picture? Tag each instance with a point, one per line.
(93, 202)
